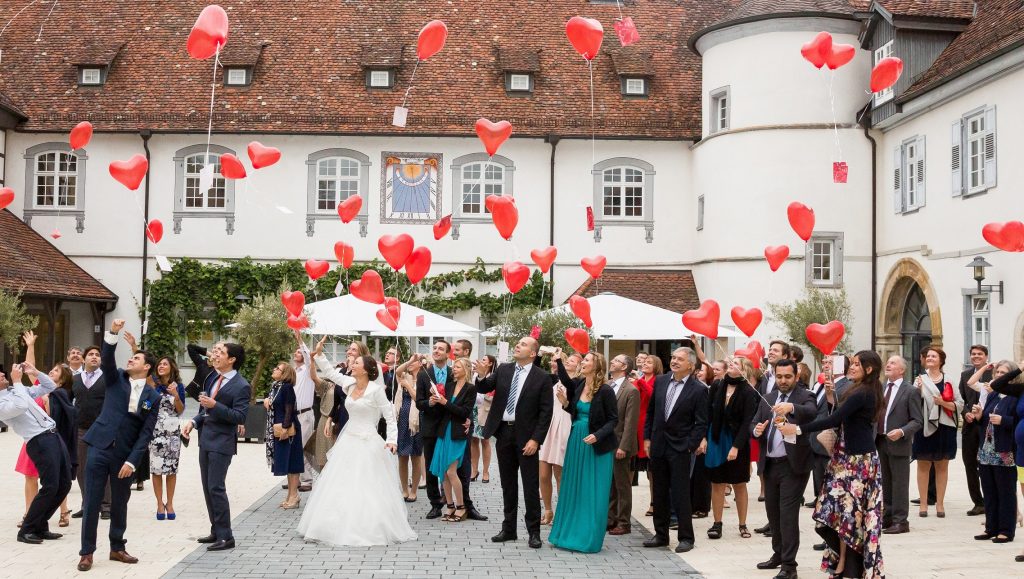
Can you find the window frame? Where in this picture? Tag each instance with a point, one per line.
(313, 212)
(510, 89)
(390, 72)
(101, 77)
(970, 139)
(246, 75)
(181, 209)
(81, 163)
(971, 315)
(911, 175)
(700, 213)
(644, 86)
(646, 219)
(961, 156)
(883, 96)
(715, 98)
(837, 257)
(458, 181)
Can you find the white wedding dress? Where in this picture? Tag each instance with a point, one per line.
(357, 501)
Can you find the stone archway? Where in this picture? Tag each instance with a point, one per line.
(904, 276)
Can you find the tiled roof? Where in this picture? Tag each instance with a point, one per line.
(310, 78)
(958, 9)
(632, 61)
(516, 59)
(672, 290)
(997, 27)
(9, 106)
(97, 52)
(30, 264)
(242, 53)
(751, 10)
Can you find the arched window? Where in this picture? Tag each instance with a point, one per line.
(475, 176)
(334, 175)
(192, 199)
(55, 179)
(623, 195)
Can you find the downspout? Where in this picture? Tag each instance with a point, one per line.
(874, 236)
(145, 134)
(553, 140)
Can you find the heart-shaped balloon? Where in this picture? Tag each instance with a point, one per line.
(886, 73)
(544, 257)
(585, 35)
(578, 339)
(298, 322)
(594, 265)
(262, 155)
(385, 318)
(442, 226)
(839, 55)
(131, 172)
(154, 230)
(492, 135)
(703, 320)
(750, 354)
(81, 135)
(418, 265)
(821, 378)
(431, 39)
(394, 308)
(801, 219)
(776, 255)
(515, 275)
(209, 33)
(345, 254)
(747, 320)
(503, 213)
(293, 302)
(6, 197)
(1007, 236)
(55, 234)
(369, 288)
(826, 337)
(396, 249)
(818, 50)
(349, 208)
(581, 307)
(231, 167)
(316, 268)
(757, 347)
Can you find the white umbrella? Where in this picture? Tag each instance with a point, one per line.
(621, 318)
(347, 315)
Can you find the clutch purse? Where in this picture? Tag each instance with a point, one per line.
(828, 439)
(281, 434)
(947, 396)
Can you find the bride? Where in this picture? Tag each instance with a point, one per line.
(356, 500)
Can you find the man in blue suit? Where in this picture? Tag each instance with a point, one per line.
(117, 442)
(225, 404)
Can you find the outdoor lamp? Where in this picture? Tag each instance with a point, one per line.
(979, 264)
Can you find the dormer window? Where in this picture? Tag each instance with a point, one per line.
(380, 78)
(237, 76)
(240, 59)
(95, 60)
(635, 69)
(520, 65)
(91, 76)
(381, 62)
(634, 86)
(520, 82)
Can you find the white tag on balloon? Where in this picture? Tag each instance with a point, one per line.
(400, 116)
(340, 287)
(163, 263)
(206, 178)
(502, 352)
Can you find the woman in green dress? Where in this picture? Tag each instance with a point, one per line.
(582, 516)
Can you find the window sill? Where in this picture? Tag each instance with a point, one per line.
(976, 193)
(312, 218)
(912, 210)
(647, 224)
(227, 216)
(78, 214)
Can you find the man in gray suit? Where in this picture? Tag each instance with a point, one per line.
(628, 400)
(903, 417)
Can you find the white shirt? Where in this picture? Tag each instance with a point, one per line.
(618, 384)
(18, 408)
(78, 371)
(892, 398)
(769, 381)
(510, 411)
(304, 387)
(675, 388)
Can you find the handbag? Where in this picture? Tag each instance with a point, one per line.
(827, 439)
(948, 396)
(281, 434)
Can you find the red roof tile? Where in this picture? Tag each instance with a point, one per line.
(672, 290)
(958, 9)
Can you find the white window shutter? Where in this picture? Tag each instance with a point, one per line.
(920, 172)
(990, 147)
(897, 185)
(957, 137)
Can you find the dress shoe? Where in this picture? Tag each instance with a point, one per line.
(786, 574)
(435, 512)
(47, 535)
(77, 515)
(123, 557)
(656, 542)
(763, 529)
(767, 533)
(30, 538)
(207, 539)
(305, 488)
(105, 515)
(977, 510)
(535, 542)
(931, 502)
(1002, 540)
(620, 530)
(503, 536)
(673, 523)
(820, 546)
(897, 529)
(474, 514)
(772, 563)
(684, 546)
(85, 563)
(984, 536)
(1019, 558)
(222, 545)
(809, 504)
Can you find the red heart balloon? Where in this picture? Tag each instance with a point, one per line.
(578, 339)
(821, 378)
(581, 307)
(817, 50)
(750, 354)
(747, 320)
(418, 264)
(431, 39)
(442, 227)
(316, 268)
(1007, 236)
(704, 320)
(369, 288)
(298, 322)
(293, 302)
(209, 33)
(131, 172)
(231, 167)
(396, 249)
(839, 55)
(155, 230)
(886, 73)
(801, 219)
(349, 208)
(826, 337)
(6, 197)
(262, 155)
(55, 234)
(544, 257)
(585, 35)
(81, 135)
(493, 134)
(345, 254)
(594, 265)
(503, 213)
(757, 347)
(385, 318)
(394, 308)
(776, 255)
(515, 275)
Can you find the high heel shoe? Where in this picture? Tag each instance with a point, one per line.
(457, 518)
(65, 519)
(291, 505)
(548, 517)
(474, 477)
(170, 513)
(160, 516)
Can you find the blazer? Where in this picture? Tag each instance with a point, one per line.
(905, 414)
(628, 409)
(603, 417)
(65, 415)
(431, 416)
(970, 395)
(824, 409)
(684, 428)
(126, 433)
(736, 417)
(456, 410)
(804, 411)
(88, 401)
(1006, 407)
(218, 426)
(533, 406)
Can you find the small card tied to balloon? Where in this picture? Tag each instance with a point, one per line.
(840, 170)
(400, 116)
(626, 31)
(590, 218)
(535, 332)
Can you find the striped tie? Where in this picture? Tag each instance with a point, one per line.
(513, 393)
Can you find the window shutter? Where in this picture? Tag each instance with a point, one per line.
(920, 172)
(897, 189)
(990, 147)
(957, 137)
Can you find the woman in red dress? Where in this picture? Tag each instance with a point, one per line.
(652, 366)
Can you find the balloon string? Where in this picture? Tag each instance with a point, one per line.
(412, 81)
(27, 6)
(619, 6)
(832, 104)
(593, 138)
(45, 20)
(213, 94)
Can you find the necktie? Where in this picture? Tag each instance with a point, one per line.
(513, 393)
(216, 387)
(90, 379)
(881, 423)
(773, 430)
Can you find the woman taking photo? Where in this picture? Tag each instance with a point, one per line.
(732, 406)
(582, 519)
(165, 447)
(1011, 384)
(552, 450)
(849, 508)
(480, 447)
(935, 444)
(410, 443)
(287, 432)
(996, 419)
(651, 368)
(452, 437)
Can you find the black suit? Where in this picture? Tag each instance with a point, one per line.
(972, 436)
(786, 477)
(673, 440)
(533, 409)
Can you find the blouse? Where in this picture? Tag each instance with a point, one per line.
(857, 416)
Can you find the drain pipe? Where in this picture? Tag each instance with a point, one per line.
(553, 140)
(145, 134)
(874, 236)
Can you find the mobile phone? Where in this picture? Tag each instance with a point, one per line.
(548, 349)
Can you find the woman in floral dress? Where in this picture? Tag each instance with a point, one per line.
(165, 447)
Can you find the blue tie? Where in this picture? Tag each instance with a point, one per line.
(513, 393)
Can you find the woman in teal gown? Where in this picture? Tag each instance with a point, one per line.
(581, 518)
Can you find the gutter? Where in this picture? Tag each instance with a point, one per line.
(553, 140)
(145, 134)
(874, 234)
